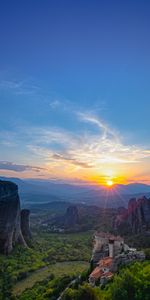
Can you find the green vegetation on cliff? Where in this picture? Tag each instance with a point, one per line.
(132, 283)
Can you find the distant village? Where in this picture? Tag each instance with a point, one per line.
(110, 252)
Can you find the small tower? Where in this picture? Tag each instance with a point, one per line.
(111, 248)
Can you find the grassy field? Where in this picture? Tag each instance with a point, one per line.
(58, 269)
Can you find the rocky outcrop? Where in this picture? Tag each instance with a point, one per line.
(10, 224)
(71, 217)
(127, 258)
(143, 206)
(136, 217)
(25, 224)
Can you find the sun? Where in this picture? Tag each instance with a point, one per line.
(109, 182)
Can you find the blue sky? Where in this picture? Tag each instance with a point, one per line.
(74, 76)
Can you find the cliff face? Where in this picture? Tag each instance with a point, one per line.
(10, 227)
(25, 224)
(71, 217)
(136, 216)
(144, 212)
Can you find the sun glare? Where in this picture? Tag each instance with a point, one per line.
(109, 183)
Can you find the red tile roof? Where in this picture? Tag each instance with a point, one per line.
(97, 273)
(105, 262)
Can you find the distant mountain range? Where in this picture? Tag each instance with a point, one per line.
(43, 191)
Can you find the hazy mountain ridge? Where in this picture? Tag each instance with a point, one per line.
(44, 191)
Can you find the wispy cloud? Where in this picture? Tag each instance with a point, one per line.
(71, 160)
(68, 152)
(8, 139)
(86, 150)
(20, 87)
(54, 104)
(105, 129)
(6, 165)
(61, 104)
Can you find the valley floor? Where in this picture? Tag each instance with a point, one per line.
(45, 270)
(59, 269)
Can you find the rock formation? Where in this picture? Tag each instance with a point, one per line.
(10, 226)
(25, 224)
(136, 217)
(71, 217)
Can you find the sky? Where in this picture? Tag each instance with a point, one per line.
(75, 90)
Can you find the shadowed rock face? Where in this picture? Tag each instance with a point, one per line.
(10, 231)
(25, 224)
(133, 216)
(137, 216)
(71, 216)
(144, 212)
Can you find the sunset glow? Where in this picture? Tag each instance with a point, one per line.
(73, 107)
(109, 183)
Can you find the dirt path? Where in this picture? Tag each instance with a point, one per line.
(68, 286)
